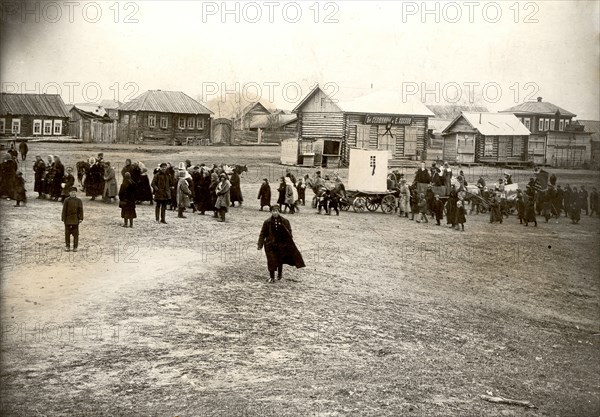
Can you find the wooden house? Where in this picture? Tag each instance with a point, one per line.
(92, 124)
(248, 115)
(31, 115)
(492, 138)
(328, 129)
(552, 141)
(169, 117)
(593, 127)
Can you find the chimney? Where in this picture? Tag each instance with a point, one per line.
(479, 118)
(539, 99)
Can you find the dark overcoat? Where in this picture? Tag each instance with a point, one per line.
(236, 190)
(279, 244)
(127, 198)
(265, 194)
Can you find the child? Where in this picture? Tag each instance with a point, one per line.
(414, 203)
(301, 187)
(72, 215)
(460, 215)
(422, 209)
(68, 181)
(334, 202)
(438, 209)
(20, 191)
(324, 201)
(264, 194)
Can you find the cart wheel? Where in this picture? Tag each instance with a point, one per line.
(345, 204)
(372, 203)
(359, 204)
(388, 203)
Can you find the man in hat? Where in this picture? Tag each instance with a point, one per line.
(72, 215)
(161, 185)
(276, 237)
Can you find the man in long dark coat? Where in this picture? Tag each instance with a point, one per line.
(276, 237)
(39, 169)
(236, 190)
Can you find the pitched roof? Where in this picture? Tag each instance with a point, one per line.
(538, 107)
(90, 112)
(51, 105)
(165, 102)
(450, 111)
(264, 121)
(110, 104)
(493, 124)
(592, 126)
(385, 102)
(255, 106)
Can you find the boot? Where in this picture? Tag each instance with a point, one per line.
(180, 213)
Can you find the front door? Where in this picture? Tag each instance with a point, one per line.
(502, 142)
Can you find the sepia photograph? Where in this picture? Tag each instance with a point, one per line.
(299, 208)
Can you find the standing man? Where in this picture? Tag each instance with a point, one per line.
(161, 186)
(583, 200)
(23, 148)
(72, 215)
(276, 237)
(223, 197)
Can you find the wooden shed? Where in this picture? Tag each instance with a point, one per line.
(493, 138)
(380, 121)
(92, 124)
(29, 115)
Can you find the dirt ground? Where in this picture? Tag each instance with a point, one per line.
(389, 318)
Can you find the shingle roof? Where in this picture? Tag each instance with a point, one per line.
(538, 107)
(264, 121)
(51, 105)
(494, 124)
(386, 102)
(165, 102)
(592, 126)
(450, 111)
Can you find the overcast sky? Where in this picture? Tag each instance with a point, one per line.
(548, 49)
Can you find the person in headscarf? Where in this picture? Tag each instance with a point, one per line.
(264, 194)
(59, 173)
(127, 198)
(49, 177)
(223, 199)
(143, 189)
(212, 189)
(183, 194)
(110, 183)
(94, 182)
(291, 195)
(39, 170)
(68, 182)
(277, 239)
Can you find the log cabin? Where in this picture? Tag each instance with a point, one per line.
(31, 115)
(167, 117)
(328, 129)
(92, 124)
(488, 138)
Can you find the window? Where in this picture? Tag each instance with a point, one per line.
(133, 118)
(58, 127)
(191, 122)
(181, 122)
(362, 136)
(322, 101)
(16, 126)
(47, 127)
(528, 123)
(517, 145)
(410, 141)
(306, 147)
(488, 146)
(553, 124)
(2, 125)
(37, 127)
(151, 120)
(385, 141)
(546, 124)
(561, 125)
(126, 119)
(541, 125)
(163, 122)
(200, 123)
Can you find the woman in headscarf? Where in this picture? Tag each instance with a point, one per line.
(39, 169)
(127, 197)
(222, 192)
(49, 177)
(236, 190)
(143, 191)
(59, 173)
(94, 182)
(110, 183)
(212, 190)
(291, 195)
(183, 194)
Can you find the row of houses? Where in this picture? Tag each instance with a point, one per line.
(322, 130)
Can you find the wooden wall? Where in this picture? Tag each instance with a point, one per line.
(134, 130)
(27, 125)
